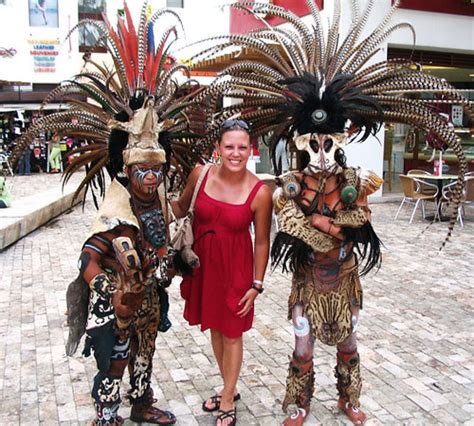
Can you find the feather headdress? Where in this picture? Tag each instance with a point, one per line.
(141, 71)
(308, 79)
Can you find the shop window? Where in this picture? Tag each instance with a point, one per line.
(88, 34)
(175, 3)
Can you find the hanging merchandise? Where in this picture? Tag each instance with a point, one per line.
(141, 71)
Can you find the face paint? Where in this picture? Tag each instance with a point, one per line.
(301, 326)
(139, 174)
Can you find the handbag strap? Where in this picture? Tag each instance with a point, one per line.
(204, 170)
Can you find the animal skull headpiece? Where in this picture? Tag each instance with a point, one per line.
(325, 150)
(143, 130)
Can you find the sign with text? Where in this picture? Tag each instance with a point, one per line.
(44, 53)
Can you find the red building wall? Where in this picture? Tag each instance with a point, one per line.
(242, 22)
(457, 7)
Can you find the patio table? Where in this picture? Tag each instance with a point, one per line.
(440, 183)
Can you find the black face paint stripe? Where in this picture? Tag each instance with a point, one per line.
(328, 143)
(313, 143)
(141, 174)
(84, 260)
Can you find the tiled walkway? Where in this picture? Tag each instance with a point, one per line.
(415, 339)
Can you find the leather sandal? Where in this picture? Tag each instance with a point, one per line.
(231, 414)
(155, 416)
(216, 400)
(354, 414)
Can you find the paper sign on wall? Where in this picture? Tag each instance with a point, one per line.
(44, 53)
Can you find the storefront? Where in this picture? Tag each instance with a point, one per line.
(406, 147)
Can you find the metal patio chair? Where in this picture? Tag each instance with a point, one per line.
(467, 196)
(413, 193)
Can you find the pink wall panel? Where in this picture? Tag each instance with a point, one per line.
(241, 22)
(457, 7)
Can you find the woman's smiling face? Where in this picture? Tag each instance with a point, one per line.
(234, 149)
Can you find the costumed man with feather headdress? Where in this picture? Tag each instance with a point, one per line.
(312, 86)
(137, 120)
(324, 220)
(124, 262)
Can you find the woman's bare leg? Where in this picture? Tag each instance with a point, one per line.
(232, 362)
(228, 353)
(218, 348)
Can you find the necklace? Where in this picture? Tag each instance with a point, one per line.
(141, 205)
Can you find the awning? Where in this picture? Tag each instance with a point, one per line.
(31, 107)
(13, 83)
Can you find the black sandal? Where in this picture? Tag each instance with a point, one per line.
(216, 400)
(232, 414)
(155, 416)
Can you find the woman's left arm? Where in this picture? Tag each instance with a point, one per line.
(262, 220)
(262, 206)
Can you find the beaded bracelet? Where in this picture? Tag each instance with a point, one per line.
(257, 285)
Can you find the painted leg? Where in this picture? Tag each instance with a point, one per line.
(300, 380)
(142, 350)
(110, 354)
(106, 395)
(349, 382)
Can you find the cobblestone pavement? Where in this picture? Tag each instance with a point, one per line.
(415, 337)
(35, 183)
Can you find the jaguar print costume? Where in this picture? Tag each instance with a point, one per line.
(320, 229)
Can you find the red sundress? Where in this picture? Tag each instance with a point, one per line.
(224, 246)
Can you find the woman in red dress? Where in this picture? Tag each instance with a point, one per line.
(220, 294)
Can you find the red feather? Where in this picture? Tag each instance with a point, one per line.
(132, 38)
(130, 66)
(148, 70)
(159, 53)
(116, 39)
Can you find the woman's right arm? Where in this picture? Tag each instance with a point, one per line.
(180, 206)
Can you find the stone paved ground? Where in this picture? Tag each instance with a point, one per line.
(24, 186)
(415, 337)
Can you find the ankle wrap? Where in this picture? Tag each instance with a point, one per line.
(107, 415)
(299, 384)
(347, 372)
(141, 405)
(106, 389)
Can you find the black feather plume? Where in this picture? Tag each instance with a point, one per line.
(367, 244)
(292, 253)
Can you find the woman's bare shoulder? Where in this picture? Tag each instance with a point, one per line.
(194, 175)
(264, 194)
(253, 179)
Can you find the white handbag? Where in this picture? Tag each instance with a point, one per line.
(183, 239)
